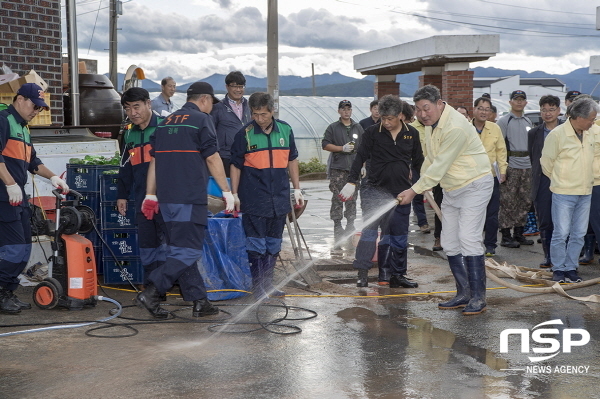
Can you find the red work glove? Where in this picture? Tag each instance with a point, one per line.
(150, 206)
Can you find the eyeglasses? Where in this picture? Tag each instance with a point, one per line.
(241, 87)
(548, 111)
(481, 109)
(35, 107)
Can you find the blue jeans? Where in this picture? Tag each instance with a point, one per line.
(570, 215)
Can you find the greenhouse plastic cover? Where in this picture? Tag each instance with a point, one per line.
(224, 259)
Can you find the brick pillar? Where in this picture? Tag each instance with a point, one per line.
(386, 84)
(431, 76)
(458, 86)
(30, 38)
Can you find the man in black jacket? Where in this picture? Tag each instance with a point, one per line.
(540, 183)
(393, 147)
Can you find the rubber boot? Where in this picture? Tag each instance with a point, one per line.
(203, 307)
(269, 268)
(477, 280)
(7, 305)
(22, 305)
(461, 277)
(398, 262)
(385, 272)
(150, 299)
(256, 271)
(507, 240)
(588, 249)
(546, 237)
(338, 233)
(520, 238)
(363, 278)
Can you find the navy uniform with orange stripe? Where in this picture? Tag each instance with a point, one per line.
(132, 177)
(180, 145)
(18, 154)
(264, 188)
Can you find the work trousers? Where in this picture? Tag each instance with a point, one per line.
(514, 198)
(337, 180)
(417, 202)
(491, 217)
(594, 225)
(570, 214)
(263, 234)
(394, 230)
(15, 243)
(184, 237)
(543, 207)
(463, 217)
(151, 240)
(438, 197)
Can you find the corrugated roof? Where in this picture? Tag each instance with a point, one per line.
(544, 82)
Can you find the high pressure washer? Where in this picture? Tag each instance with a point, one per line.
(71, 281)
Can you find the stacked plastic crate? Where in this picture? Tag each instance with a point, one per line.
(86, 180)
(121, 236)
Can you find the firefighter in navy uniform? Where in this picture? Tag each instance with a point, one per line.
(182, 147)
(133, 174)
(262, 154)
(17, 157)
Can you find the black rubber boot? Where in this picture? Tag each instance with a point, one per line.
(520, 238)
(507, 240)
(256, 271)
(269, 268)
(203, 307)
(22, 305)
(461, 277)
(150, 299)
(588, 249)
(7, 305)
(383, 261)
(477, 279)
(546, 237)
(338, 234)
(363, 278)
(398, 264)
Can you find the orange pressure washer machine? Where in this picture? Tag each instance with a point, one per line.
(71, 281)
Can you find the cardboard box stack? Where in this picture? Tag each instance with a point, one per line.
(9, 85)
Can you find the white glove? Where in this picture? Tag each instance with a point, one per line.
(58, 182)
(348, 147)
(236, 202)
(347, 192)
(229, 201)
(363, 172)
(15, 194)
(299, 198)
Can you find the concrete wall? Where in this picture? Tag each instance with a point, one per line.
(30, 38)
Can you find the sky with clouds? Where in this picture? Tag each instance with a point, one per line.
(193, 39)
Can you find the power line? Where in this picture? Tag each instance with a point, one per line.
(532, 8)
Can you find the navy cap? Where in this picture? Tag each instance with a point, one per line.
(518, 93)
(202, 88)
(344, 103)
(35, 93)
(572, 94)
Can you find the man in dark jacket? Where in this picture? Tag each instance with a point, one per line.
(230, 115)
(540, 183)
(393, 148)
(340, 139)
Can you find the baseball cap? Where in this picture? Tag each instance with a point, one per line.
(202, 88)
(35, 93)
(344, 103)
(518, 93)
(572, 94)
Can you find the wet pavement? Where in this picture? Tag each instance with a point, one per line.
(369, 342)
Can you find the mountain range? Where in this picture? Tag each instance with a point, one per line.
(338, 85)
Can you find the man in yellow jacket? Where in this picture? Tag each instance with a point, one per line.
(495, 146)
(568, 160)
(456, 159)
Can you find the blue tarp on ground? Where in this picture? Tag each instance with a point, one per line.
(224, 260)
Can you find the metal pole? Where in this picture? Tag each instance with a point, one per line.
(273, 54)
(314, 87)
(73, 60)
(112, 44)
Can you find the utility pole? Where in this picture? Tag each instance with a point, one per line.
(273, 54)
(115, 9)
(73, 61)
